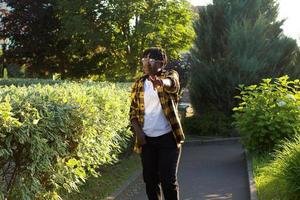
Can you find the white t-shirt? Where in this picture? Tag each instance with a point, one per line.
(155, 122)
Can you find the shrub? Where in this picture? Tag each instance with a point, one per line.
(27, 82)
(54, 137)
(268, 113)
(281, 177)
(213, 123)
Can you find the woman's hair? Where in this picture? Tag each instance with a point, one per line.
(156, 53)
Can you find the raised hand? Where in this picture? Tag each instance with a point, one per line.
(156, 81)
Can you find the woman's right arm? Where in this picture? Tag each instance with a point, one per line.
(137, 129)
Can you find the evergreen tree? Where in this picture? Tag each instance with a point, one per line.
(237, 42)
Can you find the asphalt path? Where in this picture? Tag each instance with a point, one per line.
(206, 171)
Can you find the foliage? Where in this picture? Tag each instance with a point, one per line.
(294, 69)
(112, 178)
(268, 113)
(121, 30)
(279, 177)
(31, 27)
(286, 167)
(103, 38)
(237, 42)
(182, 67)
(212, 123)
(54, 137)
(15, 71)
(265, 184)
(28, 82)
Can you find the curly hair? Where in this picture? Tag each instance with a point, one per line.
(156, 53)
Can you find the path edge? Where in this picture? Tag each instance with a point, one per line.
(212, 141)
(131, 180)
(252, 185)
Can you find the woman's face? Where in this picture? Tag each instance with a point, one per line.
(151, 66)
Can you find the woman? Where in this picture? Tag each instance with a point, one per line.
(155, 122)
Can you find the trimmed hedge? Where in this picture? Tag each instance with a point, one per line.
(55, 136)
(28, 82)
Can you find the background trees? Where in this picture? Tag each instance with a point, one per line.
(102, 38)
(237, 42)
(118, 31)
(31, 27)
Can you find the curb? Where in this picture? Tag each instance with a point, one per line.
(130, 181)
(212, 141)
(252, 186)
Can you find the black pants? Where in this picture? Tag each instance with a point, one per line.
(160, 158)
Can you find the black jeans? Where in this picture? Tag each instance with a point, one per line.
(160, 157)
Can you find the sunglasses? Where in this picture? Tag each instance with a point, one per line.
(150, 60)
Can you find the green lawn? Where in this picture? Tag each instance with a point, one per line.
(112, 177)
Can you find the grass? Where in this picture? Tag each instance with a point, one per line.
(277, 175)
(268, 187)
(112, 177)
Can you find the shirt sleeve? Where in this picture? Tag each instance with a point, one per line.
(175, 86)
(133, 104)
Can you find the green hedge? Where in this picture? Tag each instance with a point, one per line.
(28, 82)
(268, 113)
(55, 136)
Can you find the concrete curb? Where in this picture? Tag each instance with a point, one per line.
(252, 186)
(214, 141)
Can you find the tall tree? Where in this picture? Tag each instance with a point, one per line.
(112, 34)
(31, 27)
(238, 42)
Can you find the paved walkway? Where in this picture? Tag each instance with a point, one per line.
(207, 171)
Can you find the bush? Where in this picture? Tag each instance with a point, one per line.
(268, 113)
(280, 178)
(27, 82)
(54, 137)
(209, 124)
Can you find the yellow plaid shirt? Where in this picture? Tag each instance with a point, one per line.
(169, 101)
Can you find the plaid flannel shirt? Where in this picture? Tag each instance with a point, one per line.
(168, 97)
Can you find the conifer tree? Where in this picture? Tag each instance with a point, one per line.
(237, 42)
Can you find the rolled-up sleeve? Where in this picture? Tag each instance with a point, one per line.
(175, 86)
